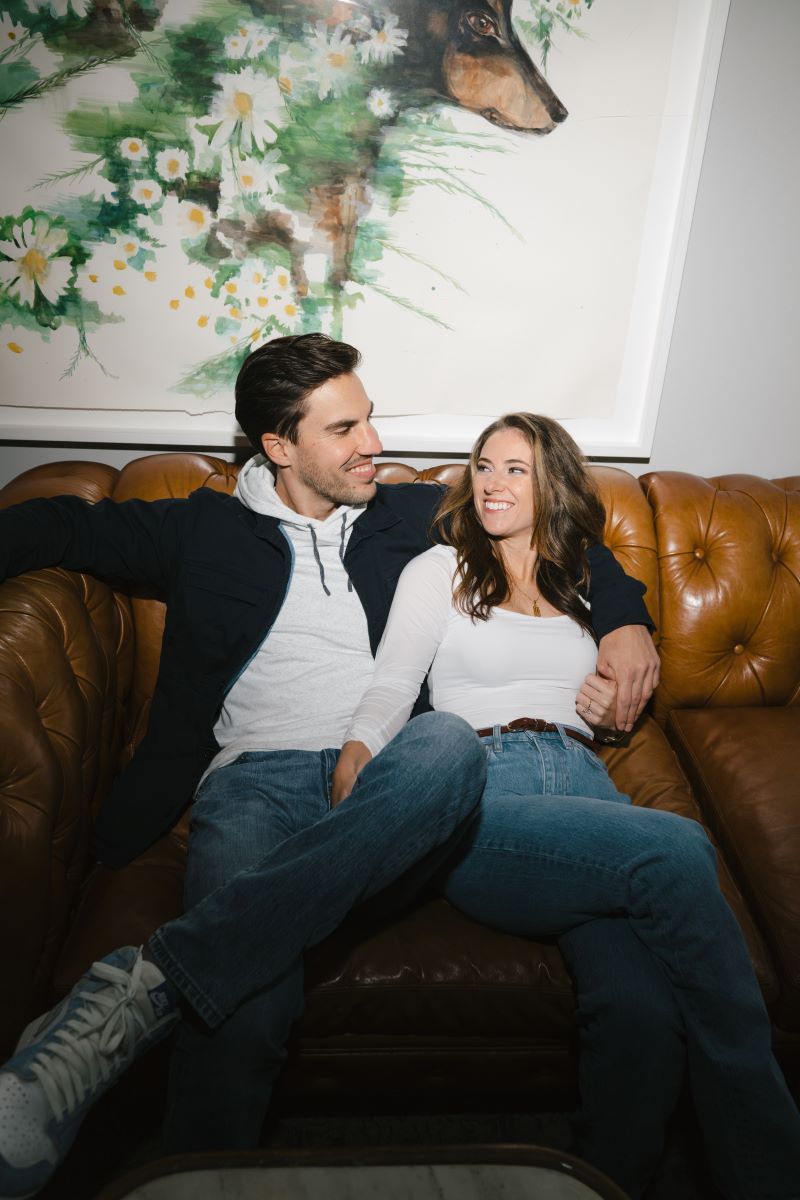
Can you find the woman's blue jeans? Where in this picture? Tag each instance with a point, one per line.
(556, 851)
(272, 870)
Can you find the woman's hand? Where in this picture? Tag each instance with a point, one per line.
(352, 757)
(596, 701)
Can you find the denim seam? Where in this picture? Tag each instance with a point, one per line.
(183, 982)
(540, 856)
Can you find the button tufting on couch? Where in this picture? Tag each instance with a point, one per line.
(431, 1001)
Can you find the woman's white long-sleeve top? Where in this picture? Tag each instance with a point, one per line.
(487, 672)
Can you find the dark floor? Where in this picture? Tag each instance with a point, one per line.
(119, 1136)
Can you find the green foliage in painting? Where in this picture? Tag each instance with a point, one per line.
(248, 169)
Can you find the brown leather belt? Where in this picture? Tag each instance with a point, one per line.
(537, 725)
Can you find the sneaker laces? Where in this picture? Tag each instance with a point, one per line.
(80, 1055)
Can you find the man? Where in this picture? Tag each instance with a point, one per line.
(276, 601)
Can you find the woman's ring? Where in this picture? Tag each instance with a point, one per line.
(588, 707)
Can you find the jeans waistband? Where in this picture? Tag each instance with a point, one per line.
(536, 725)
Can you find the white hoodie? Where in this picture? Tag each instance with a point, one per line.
(302, 686)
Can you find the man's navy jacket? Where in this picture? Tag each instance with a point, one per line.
(223, 571)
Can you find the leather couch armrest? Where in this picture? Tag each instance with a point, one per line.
(742, 764)
(647, 769)
(65, 656)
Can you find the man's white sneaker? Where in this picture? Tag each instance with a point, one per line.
(66, 1059)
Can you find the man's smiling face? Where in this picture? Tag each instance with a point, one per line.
(331, 462)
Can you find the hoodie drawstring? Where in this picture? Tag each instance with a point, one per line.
(341, 551)
(319, 561)
(341, 556)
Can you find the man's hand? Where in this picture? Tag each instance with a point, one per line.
(627, 655)
(353, 756)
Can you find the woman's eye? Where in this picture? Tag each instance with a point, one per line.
(481, 24)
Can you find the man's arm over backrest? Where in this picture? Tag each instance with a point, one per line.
(135, 540)
(615, 597)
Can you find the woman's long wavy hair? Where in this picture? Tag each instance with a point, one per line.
(568, 517)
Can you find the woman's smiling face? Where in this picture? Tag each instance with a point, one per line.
(502, 483)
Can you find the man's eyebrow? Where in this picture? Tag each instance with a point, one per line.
(348, 424)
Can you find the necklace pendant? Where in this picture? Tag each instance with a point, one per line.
(537, 612)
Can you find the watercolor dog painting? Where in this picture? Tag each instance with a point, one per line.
(266, 144)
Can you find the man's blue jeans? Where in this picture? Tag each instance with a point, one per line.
(272, 870)
(556, 851)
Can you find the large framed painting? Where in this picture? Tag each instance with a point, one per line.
(490, 198)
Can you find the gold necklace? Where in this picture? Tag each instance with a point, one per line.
(537, 612)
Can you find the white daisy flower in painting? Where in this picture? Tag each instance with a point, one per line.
(251, 176)
(248, 105)
(292, 72)
(34, 261)
(237, 44)
(253, 289)
(384, 43)
(380, 103)
(257, 333)
(332, 59)
(280, 283)
(193, 219)
(288, 314)
(10, 33)
(263, 175)
(146, 192)
(245, 177)
(172, 163)
(261, 36)
(134, 149)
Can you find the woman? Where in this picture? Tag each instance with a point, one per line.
(495, 617)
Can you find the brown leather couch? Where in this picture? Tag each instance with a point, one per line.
(432, 1002)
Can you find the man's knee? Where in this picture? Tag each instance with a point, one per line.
(449, 738)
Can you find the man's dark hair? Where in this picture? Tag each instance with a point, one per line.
(275, 381)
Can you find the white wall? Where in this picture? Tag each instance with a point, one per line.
(731, 399)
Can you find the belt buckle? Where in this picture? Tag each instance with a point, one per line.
(534, 724)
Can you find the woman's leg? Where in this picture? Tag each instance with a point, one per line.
(544, 864)
(632, 1062)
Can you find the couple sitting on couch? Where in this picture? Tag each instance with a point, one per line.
(277, 600)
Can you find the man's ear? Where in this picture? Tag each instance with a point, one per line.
(275, 449)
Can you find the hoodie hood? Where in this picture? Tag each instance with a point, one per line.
(255, 488)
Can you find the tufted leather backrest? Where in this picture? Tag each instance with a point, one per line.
(729, 575)
(629, 533)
